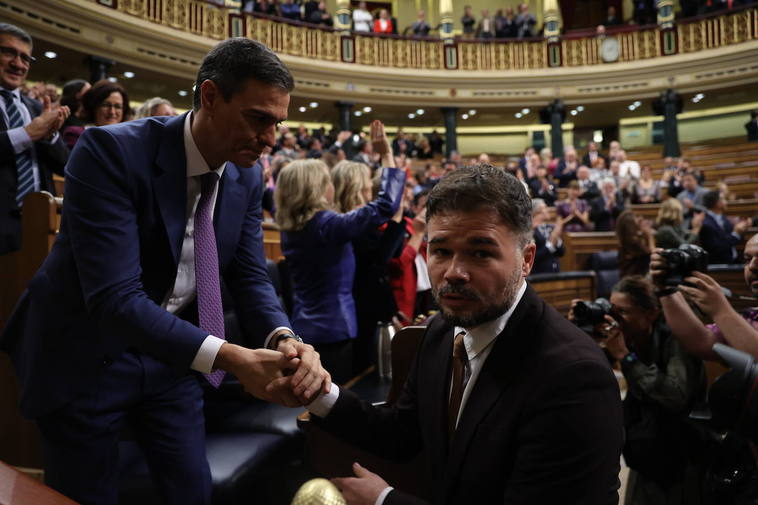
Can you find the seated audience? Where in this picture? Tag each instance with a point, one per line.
(627, 168)
(717, 235)
(363, 21)
(547, 239)
(542, 186)
(574, 211)
(646, 189)
(72, 98)
(671, 233)
(691, 195)
(636, 242)
(105, 103)
(664, 384)
(592, 155)
(588, 187)
(605, 209)
(567, 167)
(729, 327)
(323, 310)
(155, 106)
(537, 421)
(384, 23)
(424, 149)
(550, 162)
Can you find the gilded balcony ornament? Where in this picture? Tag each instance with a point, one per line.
(343, 16)
(446, 20)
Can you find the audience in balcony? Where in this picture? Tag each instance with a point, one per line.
(526, 22)
(321, 16)
(505, 24)
(363, 20)
(611, 19)
(468, 21)
(290, 10)
(384, 23)
(606, 208)
(486, 27)
(574, 211)
(420, 27)
(670, 232)
(265, 7)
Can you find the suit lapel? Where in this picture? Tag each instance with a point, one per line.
(228, 215)
(501, 368)
(170, 183)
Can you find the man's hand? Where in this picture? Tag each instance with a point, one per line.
(614, 339)
(256, 368)
(343, 136)
(706, 293)
(381, 143)
(363, 489)
(310, 378)
(743, 225)
(48, 122)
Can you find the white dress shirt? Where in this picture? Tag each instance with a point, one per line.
(184, 290)
(629, 168)
(18, 137)
(478, 343)
(362, 20)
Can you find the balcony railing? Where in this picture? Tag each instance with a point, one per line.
(316, 43)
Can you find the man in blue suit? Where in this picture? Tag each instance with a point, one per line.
(126, 309)
(717, 235)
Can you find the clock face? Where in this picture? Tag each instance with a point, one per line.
(609, 49)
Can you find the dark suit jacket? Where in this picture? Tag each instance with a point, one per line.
(545, 260)
(99, 291)
(718, 241)
(752, 130)
(587, 162)
(604, 218)
(542, 425)
(51, 157)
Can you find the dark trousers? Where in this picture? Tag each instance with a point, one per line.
(165, 413)
(337, 359)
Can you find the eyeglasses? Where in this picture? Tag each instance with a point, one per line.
(13, 53)
(115, 106)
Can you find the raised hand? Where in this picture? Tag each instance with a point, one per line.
(381, 143)
(48, 122)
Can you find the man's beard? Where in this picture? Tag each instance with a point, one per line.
(489, 313)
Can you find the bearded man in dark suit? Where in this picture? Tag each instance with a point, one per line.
(506, 400)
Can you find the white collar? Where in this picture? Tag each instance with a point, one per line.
(480, 337)
(15, 92)
(196, 164)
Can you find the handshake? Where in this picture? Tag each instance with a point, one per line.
(291, 375)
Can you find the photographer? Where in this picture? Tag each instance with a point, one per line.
(663, 383)
(738, 331)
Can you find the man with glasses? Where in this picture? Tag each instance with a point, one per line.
(30, 148)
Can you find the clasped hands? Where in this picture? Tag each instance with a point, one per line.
(49, 121)
(291, 375)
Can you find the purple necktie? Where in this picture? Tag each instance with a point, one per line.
(209, 308)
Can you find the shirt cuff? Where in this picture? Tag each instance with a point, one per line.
(20, 140)
(380, 499)
(206, 355)
(323, 404)
(550, 246)
(274, 332)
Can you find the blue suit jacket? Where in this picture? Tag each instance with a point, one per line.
(718, 241)
(321, 260)
(99, 291)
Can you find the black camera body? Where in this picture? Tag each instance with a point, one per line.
(684, 260)
(588, 314)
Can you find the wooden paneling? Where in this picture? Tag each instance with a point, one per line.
(580, 246)
(559, 291)
(19, 489)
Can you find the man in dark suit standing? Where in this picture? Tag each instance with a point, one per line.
(30, 147)
(508, 402)
(123, 323)
(606, 208)
(547, 239)
(717, 234)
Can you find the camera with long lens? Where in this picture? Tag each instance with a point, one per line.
(684, 260)
(588, 314)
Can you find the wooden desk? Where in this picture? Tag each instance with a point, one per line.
(19, 489)
(580, 246)
(559, 289)
(272, 241)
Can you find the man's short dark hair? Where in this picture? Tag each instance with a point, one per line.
(483, 186)
(15, 31)
(235, 61)
(753, 114)
(711, 198)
